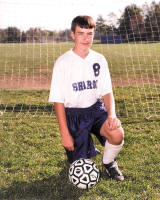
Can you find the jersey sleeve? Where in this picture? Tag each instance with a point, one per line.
(57, 87)
(105, 84)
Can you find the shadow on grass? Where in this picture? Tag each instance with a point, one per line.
(56, 187)
(27, 107)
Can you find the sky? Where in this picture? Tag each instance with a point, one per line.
(58, 14)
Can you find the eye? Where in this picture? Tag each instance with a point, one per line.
(80, 33)
(90, 33)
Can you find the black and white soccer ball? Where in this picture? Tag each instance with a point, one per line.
(84, 173)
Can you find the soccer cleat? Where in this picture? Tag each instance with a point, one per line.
(113, 171)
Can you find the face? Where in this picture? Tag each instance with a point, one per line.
(83, 37)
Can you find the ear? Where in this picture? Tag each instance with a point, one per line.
(72, 35)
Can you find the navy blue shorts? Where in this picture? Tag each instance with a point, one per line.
(81, 123)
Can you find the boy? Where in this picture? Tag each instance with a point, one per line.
(80, 79)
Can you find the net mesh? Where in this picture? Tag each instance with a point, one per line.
(132, 52)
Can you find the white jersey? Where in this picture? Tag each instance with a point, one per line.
(78, 82)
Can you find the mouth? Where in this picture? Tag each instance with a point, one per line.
(86, 43)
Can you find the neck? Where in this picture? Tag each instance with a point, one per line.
(83, 53)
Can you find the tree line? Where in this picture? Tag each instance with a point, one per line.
(135, 24)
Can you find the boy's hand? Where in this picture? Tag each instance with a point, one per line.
(112, 123)
(68, 142)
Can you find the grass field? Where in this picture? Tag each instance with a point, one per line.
(28, 59)
(32, 161)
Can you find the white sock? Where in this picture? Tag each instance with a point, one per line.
(111, 151)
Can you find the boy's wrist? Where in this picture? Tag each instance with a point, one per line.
(112, 116)
(65, 132)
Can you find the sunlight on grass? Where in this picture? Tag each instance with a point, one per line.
(33, 162)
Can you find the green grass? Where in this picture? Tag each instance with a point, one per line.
(135, 64)
(32, 59)
(33, 163)
(131, 102)
(29, 58)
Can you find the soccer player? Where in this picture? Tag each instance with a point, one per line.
(81, 90)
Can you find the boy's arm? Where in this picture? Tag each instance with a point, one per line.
(67, 140)
(112, 121)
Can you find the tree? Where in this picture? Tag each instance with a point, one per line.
(131, 23)
(12, 34)
(23, 37)
(102, 28)
(112, 23)
(152, 22)
(100, 25)
(2, 35)
(65, 35)
(112, 20)
(34, 35)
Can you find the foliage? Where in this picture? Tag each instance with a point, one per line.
(134, 25)
(130, 22)
(11, 34)
(152, 22)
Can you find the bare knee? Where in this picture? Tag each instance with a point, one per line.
(115, 136)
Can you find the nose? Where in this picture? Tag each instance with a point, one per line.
(86, 37)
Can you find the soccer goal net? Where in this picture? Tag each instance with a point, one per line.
(131, 47)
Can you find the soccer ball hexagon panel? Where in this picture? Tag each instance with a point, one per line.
(84, 173)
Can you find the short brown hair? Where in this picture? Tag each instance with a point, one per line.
(83, 21)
